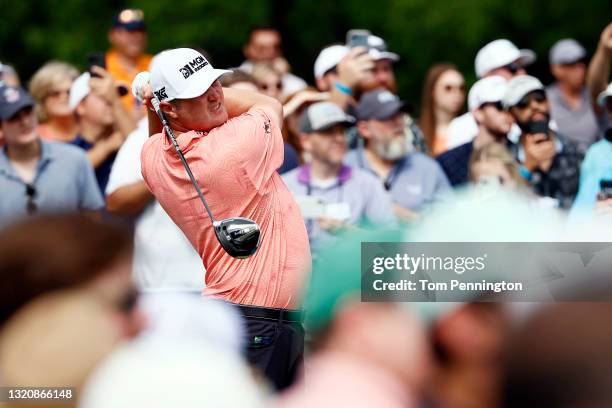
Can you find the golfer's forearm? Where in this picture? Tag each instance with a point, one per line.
(238, 102)
(130, 199)
(599, 72)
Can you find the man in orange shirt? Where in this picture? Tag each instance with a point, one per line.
(126, 58)
(232, 141)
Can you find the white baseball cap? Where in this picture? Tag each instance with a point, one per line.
(566, 51)
(489, 89)
(498, 53)
(601, 99)
(328, 58)
(378, 49)
(520, 86)
(182, 73)
(79, 90)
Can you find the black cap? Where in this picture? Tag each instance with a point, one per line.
(379, 104)
(130, 19)
(12, 100)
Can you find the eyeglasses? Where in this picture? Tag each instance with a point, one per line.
(278, 86)
(58, 93)
(31, 206)
(497, 105)
(538, 96)
(513, 67)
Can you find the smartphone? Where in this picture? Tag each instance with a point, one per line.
(605, 189)
(97, 59)
(357, 38)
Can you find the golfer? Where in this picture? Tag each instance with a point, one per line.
(233, 144)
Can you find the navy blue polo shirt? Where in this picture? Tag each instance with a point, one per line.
(103, 170)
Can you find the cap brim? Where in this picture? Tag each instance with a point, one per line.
(528, 57)
(391, 109)
(13, 109)
(135, 25)
(349, 121)
(198, 88)
(384, 55)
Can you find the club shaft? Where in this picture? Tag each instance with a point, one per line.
(170, 134)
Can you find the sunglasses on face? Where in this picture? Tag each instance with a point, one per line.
(497, 105)
(513, 67)
(31, 206)
(278, 86)
(18, 115)
(526, 100)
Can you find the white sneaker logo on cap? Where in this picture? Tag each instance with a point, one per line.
(193, 66)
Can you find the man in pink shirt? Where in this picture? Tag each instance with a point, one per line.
(233, 144)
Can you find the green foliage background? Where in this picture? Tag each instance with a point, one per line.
(421, 31)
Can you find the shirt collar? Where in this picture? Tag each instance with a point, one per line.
(46, 155)
(304, 176)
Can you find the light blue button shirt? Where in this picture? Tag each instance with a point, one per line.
(64, 182)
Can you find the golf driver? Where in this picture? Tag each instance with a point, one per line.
(238, 236)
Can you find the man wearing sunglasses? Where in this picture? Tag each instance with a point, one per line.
(549, 161)
(494, 123)
(35, 175)
(500, 57)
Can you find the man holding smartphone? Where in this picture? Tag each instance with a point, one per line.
(549, 161)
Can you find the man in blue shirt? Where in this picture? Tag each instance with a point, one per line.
(413, 179)
(331, 194)
(597, 166)
(38, 176)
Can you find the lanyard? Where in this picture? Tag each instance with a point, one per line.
(391, 177)
(339, 185)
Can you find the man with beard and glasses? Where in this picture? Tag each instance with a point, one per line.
(349, 194)
(412, 178)
(494, 123)
(549, 161)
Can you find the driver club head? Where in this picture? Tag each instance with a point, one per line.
(238, 236)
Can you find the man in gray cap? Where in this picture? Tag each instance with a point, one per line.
(413, 179)
(549, 161)
(37, 176)
(570, 102)
(332, 194)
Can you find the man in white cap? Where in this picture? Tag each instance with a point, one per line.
(500, 57)
(232, 140)
(494, 123)
(549, 161)
(570, 102)
(102, 119)
(348, 194)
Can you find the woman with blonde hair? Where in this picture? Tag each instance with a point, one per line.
(50, 88)
(442, 101)
(269, 81)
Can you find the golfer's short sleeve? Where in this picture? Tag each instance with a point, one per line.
(261, 141)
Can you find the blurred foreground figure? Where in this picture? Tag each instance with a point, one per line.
(561, 358)
(365, 354)
(66, 307)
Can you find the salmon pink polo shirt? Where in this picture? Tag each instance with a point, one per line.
(235, 166)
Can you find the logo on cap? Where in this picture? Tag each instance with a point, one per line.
(161, 94)
(192, 67)
(11, 95)
(385, 97)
